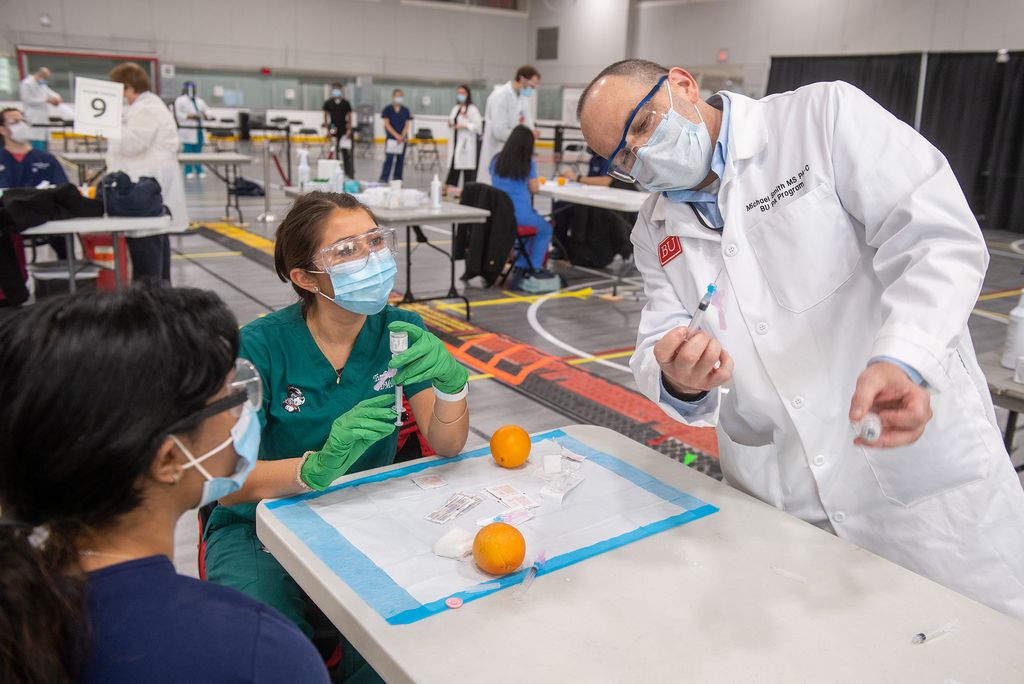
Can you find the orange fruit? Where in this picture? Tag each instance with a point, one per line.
(542, 180)
(561, 180)
(499, 549)
(510, 446)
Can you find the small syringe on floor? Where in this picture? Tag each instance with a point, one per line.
(399, 342)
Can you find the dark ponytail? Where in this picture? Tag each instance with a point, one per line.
(90, 385)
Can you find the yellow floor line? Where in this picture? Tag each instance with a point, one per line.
(998, 295)
(601, 357)
(992, 315)
(245, 237)
(206, 255)
(516, 299)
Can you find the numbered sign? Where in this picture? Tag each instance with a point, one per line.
(98, 107)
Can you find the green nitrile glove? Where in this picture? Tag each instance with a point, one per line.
(427, 359)
(352, 433)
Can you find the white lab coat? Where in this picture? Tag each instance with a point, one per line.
(505, 110)
(464, 157)
(149, 147)
(185, 107)
(869, 250)
(34, 96)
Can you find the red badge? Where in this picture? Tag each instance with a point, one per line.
(669, 249)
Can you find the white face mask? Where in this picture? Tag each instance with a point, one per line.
(678, 155)
(19, 132)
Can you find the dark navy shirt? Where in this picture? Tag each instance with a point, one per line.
(36, 167)
(150, 624)
(397, 119)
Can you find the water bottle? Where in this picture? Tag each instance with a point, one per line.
(303, 174)
(435, 192)
(338, 180)
(1014, 336)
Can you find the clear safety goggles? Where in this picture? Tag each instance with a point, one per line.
(639, 127)
(245, 388)
(353, 252)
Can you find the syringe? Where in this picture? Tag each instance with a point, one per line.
(694, 327)
(399, 342)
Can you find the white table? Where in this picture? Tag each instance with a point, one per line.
(230, 161)
(600, 196)
(749, 594)
(115, 225)
(411, 218)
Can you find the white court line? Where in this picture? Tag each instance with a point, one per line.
(531, 316)
(990, 316)
(1017, 246)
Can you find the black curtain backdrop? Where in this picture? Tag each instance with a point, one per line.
(962, 94)
(891, 80)
(1004, 191)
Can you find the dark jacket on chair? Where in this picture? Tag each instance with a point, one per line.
(486, 246)
(24, 208)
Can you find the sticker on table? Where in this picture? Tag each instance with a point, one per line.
(374, 533)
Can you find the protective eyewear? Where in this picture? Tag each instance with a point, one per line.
(353, 252)
(640, 123)
(244, 388)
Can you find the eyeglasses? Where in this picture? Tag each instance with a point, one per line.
(354, 251)
(640, 125)
(245, 388)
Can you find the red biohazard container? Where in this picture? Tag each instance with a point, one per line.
(100, 249)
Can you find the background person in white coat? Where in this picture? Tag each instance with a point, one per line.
(847, 262)
(190, 111)
(149, 147)
(508, 106)
(465, 123)
(36, 96)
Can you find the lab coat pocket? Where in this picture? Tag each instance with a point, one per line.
(953, 451)
(751, 469)
(807, 249)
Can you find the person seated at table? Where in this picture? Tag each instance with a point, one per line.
(23, 166)
(328, 400)
(514, 172)
(600, 235)
(121, 412)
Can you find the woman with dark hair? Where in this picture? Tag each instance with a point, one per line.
(466, 124)
(121, 412)
(514, 172)
(328, 401)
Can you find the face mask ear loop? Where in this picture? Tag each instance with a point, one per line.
(197, 462)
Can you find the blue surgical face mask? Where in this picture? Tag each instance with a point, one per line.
(527, 91)
(678, 155)
(399, 99)
(364, 289)
(335, 93)
(245, 437)
(42, 81)
(460, 97)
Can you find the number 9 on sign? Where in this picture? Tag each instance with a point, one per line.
(99, 107)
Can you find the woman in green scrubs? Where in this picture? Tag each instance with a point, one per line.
(328, 373)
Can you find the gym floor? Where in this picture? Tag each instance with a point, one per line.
(557, 359)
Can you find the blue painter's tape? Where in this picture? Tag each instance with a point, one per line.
(394, 603)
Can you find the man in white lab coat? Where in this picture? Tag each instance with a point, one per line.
(190, 111)
(36, 96)
(148, 146)
(847, 262)
(508, 106)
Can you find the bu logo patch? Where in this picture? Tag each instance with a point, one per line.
(669, 249)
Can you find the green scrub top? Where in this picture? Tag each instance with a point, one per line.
(302, 393)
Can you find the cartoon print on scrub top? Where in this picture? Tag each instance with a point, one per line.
(382, 381)
(294, 401)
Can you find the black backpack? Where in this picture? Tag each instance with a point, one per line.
(244, 187)
(124, 197)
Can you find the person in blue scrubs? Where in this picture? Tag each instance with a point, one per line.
(23, 166)
(122, 411)
(397, 119)
(514, 172)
